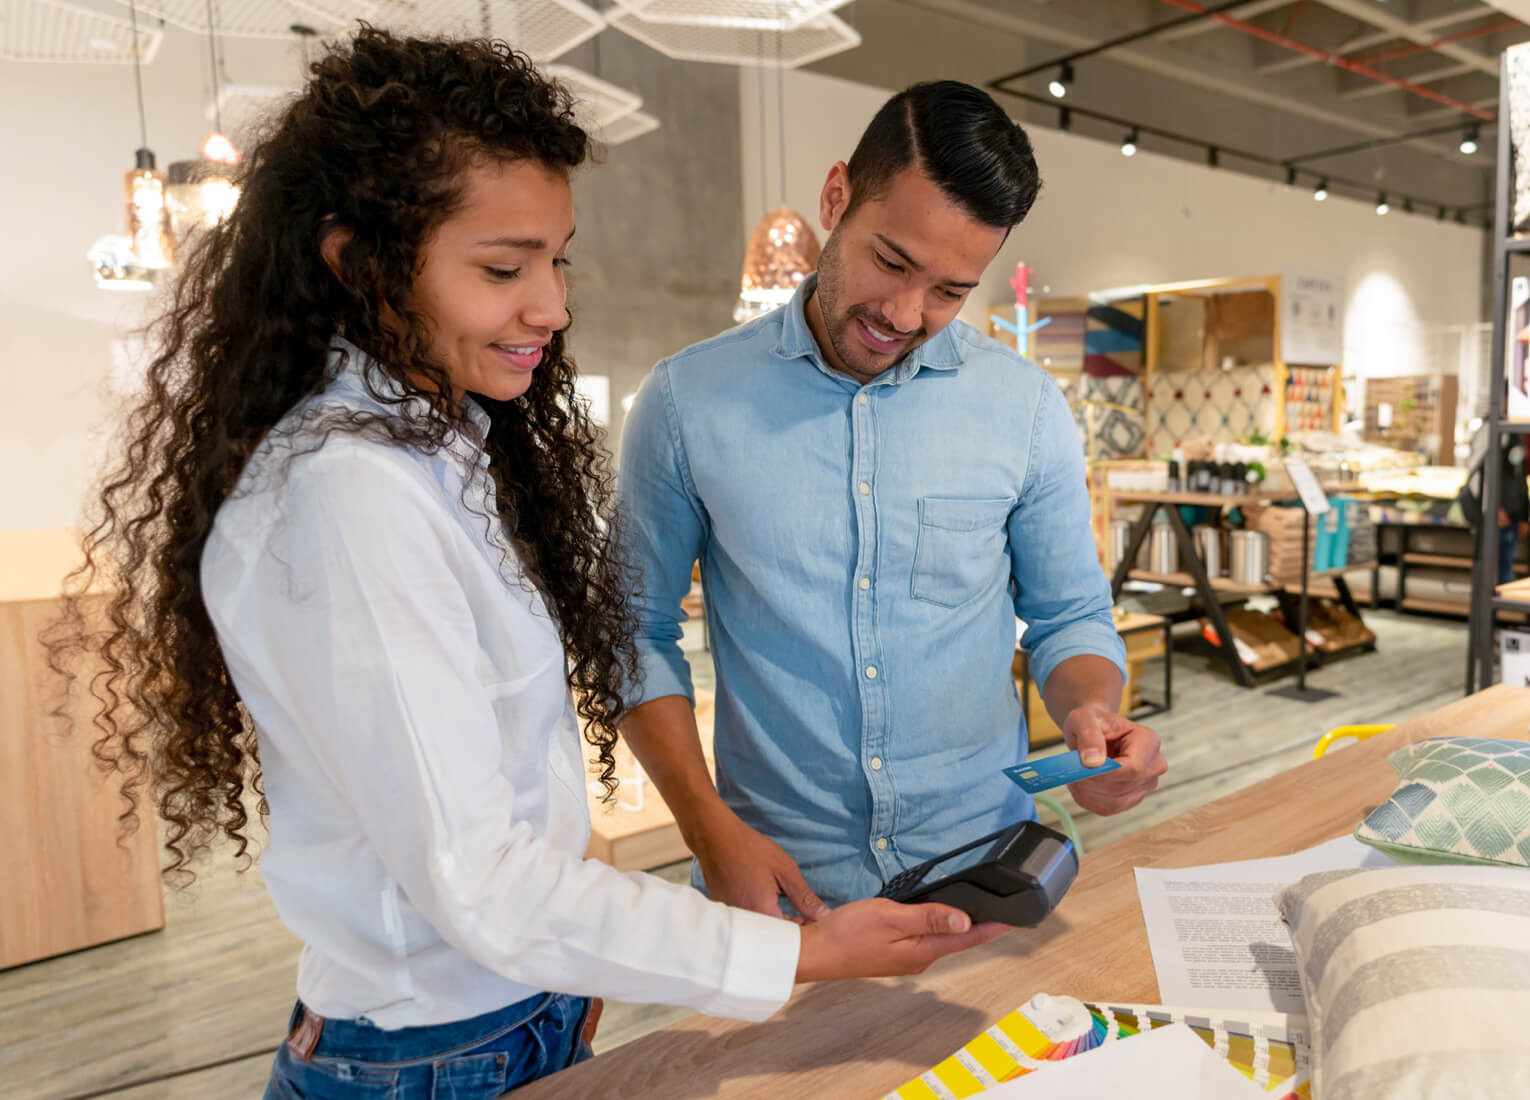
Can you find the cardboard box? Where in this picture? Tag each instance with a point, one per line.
(1261, 641)
(1330, 628)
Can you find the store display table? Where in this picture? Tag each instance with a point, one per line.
(65, 881)
(865, 1038)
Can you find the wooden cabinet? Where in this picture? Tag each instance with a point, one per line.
(66, 879)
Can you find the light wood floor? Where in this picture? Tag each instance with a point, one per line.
(195, 1011)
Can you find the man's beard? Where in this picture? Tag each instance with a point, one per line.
(837, 324)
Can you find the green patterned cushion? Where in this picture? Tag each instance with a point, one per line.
(1458, 800)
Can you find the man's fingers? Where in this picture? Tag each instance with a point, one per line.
(799, 893)
(1089, 740)
(1136, 749)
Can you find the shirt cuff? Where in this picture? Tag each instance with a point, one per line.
(761, 967)
(1077, 640)
(664, 673)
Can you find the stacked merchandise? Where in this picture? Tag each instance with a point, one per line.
(1309, 399)
(1262, 642)
(1284, 528)
(1330, 628)
(1362, 535)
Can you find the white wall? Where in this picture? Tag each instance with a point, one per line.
(1104, 220)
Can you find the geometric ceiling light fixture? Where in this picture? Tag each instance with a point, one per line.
(608, 112)
(630, 126)
(811, 41)
(541, 29)
(763, 15)
(54, 30)
(259, 18)
(597, 103)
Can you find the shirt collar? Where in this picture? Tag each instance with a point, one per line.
(349, 375)
(940, 352)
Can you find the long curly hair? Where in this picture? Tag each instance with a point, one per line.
(377, 143)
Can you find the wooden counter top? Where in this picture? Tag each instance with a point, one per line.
(33, 564)
(865, 1038)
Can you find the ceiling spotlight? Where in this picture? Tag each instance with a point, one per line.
(1129, 144)
(1290, 175)
(1213, 158)
(1441, 215)
(1469, 142)
(1382, 206)
(1059, 85)
(1064, 118)
(1460, 217)
(1321, 193)
(1407, 206)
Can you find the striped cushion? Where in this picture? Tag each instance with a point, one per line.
(1417, 981)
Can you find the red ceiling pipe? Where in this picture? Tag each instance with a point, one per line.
(1450, 40)
(1356, 67)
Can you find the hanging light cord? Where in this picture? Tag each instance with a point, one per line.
(212, 53)
(143, 122)
(764, 135)
(781, 113)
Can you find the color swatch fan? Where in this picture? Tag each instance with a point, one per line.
(1045, 1029)
(1272, 1050)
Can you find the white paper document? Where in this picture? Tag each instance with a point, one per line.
(1217, 939)
(1169, 1063)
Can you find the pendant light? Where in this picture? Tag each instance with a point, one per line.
(203, 192)
(783, 250)
(148, 217)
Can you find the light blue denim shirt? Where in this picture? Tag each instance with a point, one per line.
(864, 552)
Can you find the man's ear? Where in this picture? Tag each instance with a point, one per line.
(834, 200)
(333, 237)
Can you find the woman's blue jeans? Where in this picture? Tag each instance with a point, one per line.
(475, 1059)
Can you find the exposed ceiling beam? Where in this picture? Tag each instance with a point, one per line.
(1194, 29)
(1168, 61)
(1427, 32)
(1413, 32)
(1371, 88)
(1446, 112)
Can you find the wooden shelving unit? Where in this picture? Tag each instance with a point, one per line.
(1448, 561)
(1185, 580)
(1208, 589)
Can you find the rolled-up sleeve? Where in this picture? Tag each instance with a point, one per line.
(357, 626)
(1061, 592)
(665, 529)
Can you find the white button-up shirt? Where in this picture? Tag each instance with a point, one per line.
(421, 754)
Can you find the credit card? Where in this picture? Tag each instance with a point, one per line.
(1054, 771)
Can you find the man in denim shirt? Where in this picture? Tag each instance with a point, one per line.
(874, 491)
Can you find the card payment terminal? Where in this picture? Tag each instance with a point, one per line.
(1016, 876)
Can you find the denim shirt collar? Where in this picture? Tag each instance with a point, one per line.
(940, 352)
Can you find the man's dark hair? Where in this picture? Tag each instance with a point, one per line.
(961, 140)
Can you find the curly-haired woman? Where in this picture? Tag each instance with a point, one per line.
(364, 565)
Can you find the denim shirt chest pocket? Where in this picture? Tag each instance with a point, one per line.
(961, 550)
